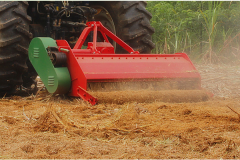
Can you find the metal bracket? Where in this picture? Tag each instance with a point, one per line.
(86, 96)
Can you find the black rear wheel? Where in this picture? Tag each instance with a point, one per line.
(130, 21)
(14, 41)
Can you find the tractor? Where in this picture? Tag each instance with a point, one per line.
(21, 21)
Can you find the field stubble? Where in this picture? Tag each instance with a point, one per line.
(53, 126)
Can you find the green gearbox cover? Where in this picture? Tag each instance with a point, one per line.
(56, 80)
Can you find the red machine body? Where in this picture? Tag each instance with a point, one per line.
(99, 63)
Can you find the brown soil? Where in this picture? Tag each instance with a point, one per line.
(186, 126)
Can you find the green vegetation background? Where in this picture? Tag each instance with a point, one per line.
(207, 31)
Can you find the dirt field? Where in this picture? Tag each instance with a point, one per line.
(46, 126)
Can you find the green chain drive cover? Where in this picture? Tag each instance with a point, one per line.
(56, 80)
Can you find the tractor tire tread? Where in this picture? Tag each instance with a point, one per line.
(22, 49)
(128, 5)
(6, 6)
(144, 11)
(10, 41)
(20, 67)
(10, 23)
(6, 59)
(148, 42)
(134, 35)
(7, 75)
(131, 20)
(22, 14)
(24, 32)
(148, 27)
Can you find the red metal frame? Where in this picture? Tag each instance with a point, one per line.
(99, 63)
(97, 26)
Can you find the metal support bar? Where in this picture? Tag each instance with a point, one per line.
(86, 96)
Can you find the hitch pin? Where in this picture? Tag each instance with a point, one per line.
(64, 50)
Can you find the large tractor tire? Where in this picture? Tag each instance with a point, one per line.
(14, 42)
(130, 21)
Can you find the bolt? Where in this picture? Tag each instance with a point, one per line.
(131, 53)
(64, 50)
(92, 25)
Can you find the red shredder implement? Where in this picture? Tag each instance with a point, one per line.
(77, 71)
